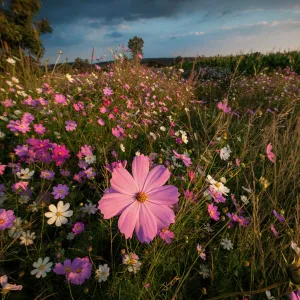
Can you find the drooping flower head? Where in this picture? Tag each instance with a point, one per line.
(141, 200)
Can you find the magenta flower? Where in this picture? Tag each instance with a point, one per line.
(185, 159)
(166, 235)
(70, 125)
(39, 129)
(101, 122)
(201, 252)
(216, 195)
(270, 154)
(116, 164)
(78, 228)
(7, 218)
(223, 106)
(107, 91)
(47, 174)
(63, 269)
(213, 212)
(141, 199)
(60, 154)
(60, 191)
(295, 295)
(60, 99)
(2, 169)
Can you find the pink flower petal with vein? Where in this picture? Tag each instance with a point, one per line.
(140, 170)
(164, 195)
(157, 177)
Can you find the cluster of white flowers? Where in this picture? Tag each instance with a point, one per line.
(132, 262)
(218, 186)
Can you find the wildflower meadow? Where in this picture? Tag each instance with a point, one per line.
(129, 182)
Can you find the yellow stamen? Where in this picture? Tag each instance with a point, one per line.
(141, 197)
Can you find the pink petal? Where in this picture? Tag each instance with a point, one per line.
(123, 182)
(146, 225)
(157, 177)
(165, 215)
(140, 170)
(164, 195)
(128, 219)
(113, 204)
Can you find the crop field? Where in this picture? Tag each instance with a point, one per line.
(137, 183)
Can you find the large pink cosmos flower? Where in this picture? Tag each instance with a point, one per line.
(141, 200)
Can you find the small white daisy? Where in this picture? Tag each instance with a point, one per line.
(25, 174)
(42, 267)
(59, 214)
(225, 153)
(11, 61)
(204, 271)
(226, 244)
(102, 273)
(27, 238)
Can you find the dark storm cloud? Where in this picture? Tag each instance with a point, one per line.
(106, 12)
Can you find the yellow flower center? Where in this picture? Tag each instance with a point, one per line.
(67, 269)
(59, 214)
(164, 230)
(141, 197)
(2, 221)
(78, 227)
(79, 270)
(42, 267)
(218, 185)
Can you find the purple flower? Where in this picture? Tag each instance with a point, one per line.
(78, 228)
(70, 125)
(60, 191)
(278, 216)
(185, 159)
(7, 218)
(47, 174)
(216, 195)
(223, 106)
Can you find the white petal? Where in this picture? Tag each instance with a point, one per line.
(34, 271)
(63, 220)
(65, 207)
(53, 208)
(52, 220)
(60, 205)
(58, 222)
(50, 214)
(68, 213)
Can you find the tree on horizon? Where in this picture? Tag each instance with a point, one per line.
(136, 46)
(19, 30)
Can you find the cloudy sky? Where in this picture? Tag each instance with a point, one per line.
(171, 27)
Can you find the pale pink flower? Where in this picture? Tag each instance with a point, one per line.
(270, 154)
(6, 287)
(141, 200)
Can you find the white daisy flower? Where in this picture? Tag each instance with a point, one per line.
(226, 244)
(225, 153)
(27, 238)
(59, 214)
(90, 159)
(25, 174)
(248, 190)
(102, 273)
(42, 267)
